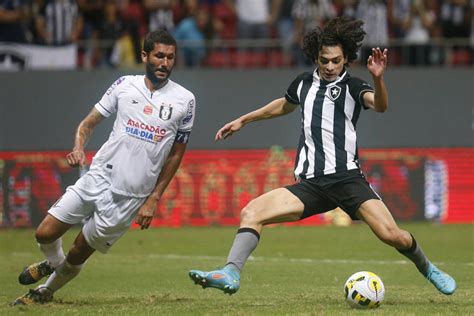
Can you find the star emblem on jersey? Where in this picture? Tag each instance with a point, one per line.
(334, 92)
(165, 111)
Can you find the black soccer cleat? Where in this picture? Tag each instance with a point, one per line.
(35, 272)
(34, 296)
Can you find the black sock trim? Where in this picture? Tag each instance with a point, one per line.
(249, 230)
(233, 265)
(411, 249)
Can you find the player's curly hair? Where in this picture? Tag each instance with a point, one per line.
(155, 37)
(344, 31)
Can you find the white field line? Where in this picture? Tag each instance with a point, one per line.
(296, 260)
(278, 259)
(272, 259)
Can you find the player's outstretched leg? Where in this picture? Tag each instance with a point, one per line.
(40, 295)
(441, 280)
(35, 272)
(226, 279)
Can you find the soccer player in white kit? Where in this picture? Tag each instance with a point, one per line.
(128, 175)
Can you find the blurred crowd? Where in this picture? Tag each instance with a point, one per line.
(239, 32)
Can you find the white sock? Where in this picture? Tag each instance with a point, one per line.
(44, 290)
(53, 252)
(62, 275)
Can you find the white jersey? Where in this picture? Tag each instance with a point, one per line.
(146, 126)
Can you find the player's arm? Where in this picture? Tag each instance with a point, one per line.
(77, 156)
(147, 210)
(275, 108)
(376, 64)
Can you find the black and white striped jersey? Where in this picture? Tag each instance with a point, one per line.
(60, 17)
(330, 110)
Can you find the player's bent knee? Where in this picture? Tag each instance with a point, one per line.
(405, 240)
(396, 238)
(50, 229)
(248, 215)
(45, 235)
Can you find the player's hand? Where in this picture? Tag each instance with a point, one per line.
(377, 62)
(228, 129)
(76, 158)
(145, 214)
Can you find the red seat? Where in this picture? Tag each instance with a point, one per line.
(277, 58)
(218, 59)
(249, 59)
(461, 57)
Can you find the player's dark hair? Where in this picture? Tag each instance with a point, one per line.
(155, 37)
(344, 31)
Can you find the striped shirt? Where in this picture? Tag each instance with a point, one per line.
(330, 110)
(60, 18)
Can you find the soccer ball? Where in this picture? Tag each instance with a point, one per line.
(364, 290)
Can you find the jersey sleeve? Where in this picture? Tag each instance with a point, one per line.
(108, 104)
(292, 91)
(186, 123)
(357, 89)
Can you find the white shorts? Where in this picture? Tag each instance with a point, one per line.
(107, 215)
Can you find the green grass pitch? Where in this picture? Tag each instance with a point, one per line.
(294, 271)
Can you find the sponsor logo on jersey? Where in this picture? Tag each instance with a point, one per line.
(134, 101)
(334, 92)
(115, 84)
(143, 131)
(165, 111)
(189, 114)
(148, 109)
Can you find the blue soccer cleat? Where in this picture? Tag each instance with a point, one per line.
(442, 281)
(226, 279)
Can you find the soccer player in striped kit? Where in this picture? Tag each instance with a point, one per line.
(326, 167)
(129, 173)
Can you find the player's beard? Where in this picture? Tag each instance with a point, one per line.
(150, 74)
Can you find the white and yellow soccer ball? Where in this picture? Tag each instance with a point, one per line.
(364, 290)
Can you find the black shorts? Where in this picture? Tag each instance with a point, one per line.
(347, 190)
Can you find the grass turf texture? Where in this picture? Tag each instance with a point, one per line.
(295, 270)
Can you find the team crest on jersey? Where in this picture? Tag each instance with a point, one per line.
(334, 92)
(165, 111)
